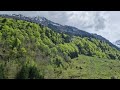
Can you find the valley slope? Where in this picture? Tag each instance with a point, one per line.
(59, 28)
(30, 50)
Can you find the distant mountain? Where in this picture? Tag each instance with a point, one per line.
(117, 43)
(59, 28)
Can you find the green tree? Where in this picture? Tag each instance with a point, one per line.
(2, 71)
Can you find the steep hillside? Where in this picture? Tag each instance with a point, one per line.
(29, 51)
(59, 28)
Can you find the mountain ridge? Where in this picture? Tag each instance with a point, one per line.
(59, 28)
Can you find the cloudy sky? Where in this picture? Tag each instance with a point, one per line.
(105, 23)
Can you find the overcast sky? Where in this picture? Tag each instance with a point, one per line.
(105, 23)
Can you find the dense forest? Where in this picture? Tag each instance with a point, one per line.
(31, 51)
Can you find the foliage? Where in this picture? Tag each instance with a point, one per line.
(31, 51)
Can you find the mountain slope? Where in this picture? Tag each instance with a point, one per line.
(31, 51)
(59, 28)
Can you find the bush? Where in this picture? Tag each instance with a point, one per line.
(2, 71)
(29, 71)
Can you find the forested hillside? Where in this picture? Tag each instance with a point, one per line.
(31, 51)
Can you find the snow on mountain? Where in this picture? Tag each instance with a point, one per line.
(117, 43)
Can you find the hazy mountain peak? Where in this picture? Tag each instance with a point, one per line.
(117, 43)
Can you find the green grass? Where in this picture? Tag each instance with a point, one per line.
(95, 68)
(85, 67)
